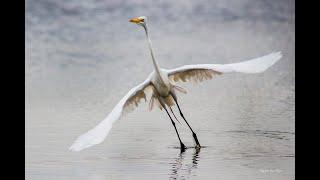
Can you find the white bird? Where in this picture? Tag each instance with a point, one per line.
(160, 88)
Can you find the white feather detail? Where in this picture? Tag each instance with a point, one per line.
(200, 72)
(97, 134)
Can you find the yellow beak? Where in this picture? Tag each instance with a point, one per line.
(136, 20)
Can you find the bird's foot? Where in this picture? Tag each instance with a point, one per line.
(197, 146)
(196, 140)
(182, 147)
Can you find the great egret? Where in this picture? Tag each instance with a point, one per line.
(161, 89)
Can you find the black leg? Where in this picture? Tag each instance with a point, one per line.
(183, 147)
(174, 115)
(193, 134)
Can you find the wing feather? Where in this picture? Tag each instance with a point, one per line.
(193, 74)
(127, 104)
(200, 72)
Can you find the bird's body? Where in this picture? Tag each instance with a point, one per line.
(160, 88)
(161, 83)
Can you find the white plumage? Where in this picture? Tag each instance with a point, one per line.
(160, 84)
(256, 65)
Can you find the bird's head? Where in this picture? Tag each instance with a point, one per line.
(141, 20)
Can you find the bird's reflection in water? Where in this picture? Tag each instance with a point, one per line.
(181, 167)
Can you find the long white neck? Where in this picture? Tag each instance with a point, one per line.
(155, 64)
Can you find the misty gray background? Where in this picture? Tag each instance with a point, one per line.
(83, 56)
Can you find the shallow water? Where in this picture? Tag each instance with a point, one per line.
(82, 57)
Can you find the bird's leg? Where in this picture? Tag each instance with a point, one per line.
(182, 146)
(193, 133)
(174, 115)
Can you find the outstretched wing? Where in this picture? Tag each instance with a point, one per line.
(126, 104)
(200, 72)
